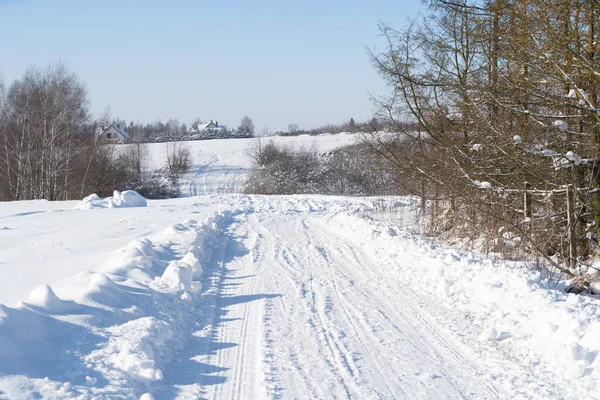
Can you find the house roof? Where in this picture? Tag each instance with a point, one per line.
(118, 129)
(210, 125)
(202, 127)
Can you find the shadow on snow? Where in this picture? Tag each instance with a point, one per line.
(193, 367)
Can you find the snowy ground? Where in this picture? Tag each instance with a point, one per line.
(226, 296)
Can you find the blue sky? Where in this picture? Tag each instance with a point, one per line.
(279, 62)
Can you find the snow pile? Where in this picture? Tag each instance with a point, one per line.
(138, 261)
(561, 124)
(517, 139)
(127, 198)
(508, 305)
(112, 334)
(45, 298)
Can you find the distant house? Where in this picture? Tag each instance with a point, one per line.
(211, 126)
(113, 134)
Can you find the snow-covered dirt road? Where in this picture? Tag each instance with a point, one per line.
(291, 297)
(310, 315)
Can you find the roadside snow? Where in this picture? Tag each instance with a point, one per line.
(508, 306)
(111, 334)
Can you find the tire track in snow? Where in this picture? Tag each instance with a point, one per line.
(355, 329)
(424, 324)
(339, 329)
(352, 382)
(339, 359)
(244, 360)
(297, 364)
(242, 349)
(334, 271)
(217, 331)
(313, 317)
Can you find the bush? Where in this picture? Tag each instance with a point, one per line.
(352, 170)
(283, 170)
(179, 158)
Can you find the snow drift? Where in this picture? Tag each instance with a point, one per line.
(128, 198)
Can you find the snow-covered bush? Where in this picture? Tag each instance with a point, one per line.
(283, 170)
(157, 185)
(350, 171)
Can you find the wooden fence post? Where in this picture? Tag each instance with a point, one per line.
(423, 197)
(571, 228)
(526, 201)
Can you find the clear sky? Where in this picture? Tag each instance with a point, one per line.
(279, 62)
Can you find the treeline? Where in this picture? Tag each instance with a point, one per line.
(505, 99)
(373, 125)
(174, 130)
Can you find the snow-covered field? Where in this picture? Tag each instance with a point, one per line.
(228, 296)
(221, 166)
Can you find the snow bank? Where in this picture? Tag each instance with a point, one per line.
(508, 305)
(135, 348)
(128, 198)
(115, 334)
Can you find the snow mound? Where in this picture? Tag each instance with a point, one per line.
(179, 274)
(103, 290)
(139, 260)
(45, 298)
(128, 198)
(144, 246)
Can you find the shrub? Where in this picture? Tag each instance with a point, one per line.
(352, 170)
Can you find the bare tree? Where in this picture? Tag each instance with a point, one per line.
(178, 158)
(504, 99)
(43, 139)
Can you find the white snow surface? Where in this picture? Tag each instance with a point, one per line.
(239, 297)
(227, 296)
